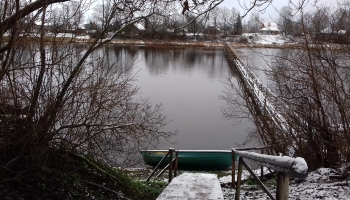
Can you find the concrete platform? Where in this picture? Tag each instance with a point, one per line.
(193, 186)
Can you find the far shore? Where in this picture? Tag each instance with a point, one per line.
(160, 43)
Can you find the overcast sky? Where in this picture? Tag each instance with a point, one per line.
(270, 13)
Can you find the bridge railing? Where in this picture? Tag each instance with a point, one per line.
(285, 167)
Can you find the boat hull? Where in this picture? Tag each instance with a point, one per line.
(200, 161)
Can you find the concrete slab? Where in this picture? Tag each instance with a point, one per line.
(193, 186)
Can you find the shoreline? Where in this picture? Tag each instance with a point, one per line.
(192, 43)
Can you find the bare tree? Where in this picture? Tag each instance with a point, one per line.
(310, 90)
(224, 20)
(238, 27)
(214, 16)
(72, 96)
(285, 21)
(57, 94)
(232, 17)
(255, 22)
(342, 17)
(320, 19)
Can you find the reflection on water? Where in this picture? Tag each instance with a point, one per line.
(188, 82)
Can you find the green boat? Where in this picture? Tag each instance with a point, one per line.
(201, 160)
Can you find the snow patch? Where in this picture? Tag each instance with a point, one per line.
(245, 175)
(300, 165)
(317, 185)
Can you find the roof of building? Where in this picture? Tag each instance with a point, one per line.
(139, 26)
(326, 30)
(269, 27)
(217, 27)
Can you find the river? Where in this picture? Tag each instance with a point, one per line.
(188, 82)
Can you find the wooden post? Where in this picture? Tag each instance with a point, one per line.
(233, 181)
(239, 178)
(176, 162)
(262, 168)
(282, 192)
(171, 164)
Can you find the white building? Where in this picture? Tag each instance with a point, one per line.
(269, 29)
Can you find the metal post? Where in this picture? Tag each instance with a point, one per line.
(239, 178)
(282, 192)
(233, 181)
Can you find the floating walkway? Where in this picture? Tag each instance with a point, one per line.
(193, 186)
(267, 101)
(265, 106)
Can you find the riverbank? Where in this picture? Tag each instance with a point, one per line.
(319, 184)
(263, 41)
(66, 175)
(324, 183)
(71, 176)
(202, 43)
(157, 42)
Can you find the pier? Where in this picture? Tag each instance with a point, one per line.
(265, 107)
(265, 100)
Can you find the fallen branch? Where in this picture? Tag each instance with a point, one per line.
(100, 186)
(333, 176)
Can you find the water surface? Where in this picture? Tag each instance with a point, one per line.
(188, 82)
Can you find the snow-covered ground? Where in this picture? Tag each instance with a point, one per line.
(270, 39)
(318, 185)
(266, 39)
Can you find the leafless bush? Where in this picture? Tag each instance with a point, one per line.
(65, 96)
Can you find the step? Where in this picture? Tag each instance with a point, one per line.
(193, 186)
